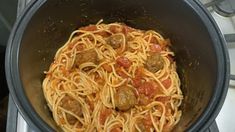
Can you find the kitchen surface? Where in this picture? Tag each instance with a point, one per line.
(226, 23)
(225, 119)
(223, 11)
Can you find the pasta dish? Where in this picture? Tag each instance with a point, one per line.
(112, 77)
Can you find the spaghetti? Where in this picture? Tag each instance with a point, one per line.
(111, 77)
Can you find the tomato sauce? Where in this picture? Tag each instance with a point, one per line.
(104, 115)
(124, 62)
(89, 28)
(166, 83)
(148, 89)
(107, 67)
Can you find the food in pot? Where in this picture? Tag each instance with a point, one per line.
(154, 62)
(125, 98)
(112, 77)
(115, 40)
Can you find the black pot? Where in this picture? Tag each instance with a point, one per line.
(201, 54)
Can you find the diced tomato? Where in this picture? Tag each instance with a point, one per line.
(103, 33)
(89, 28)
(121, 73)
(112, 28)
(104, 115)
(136, 82)
(147, 88)
(139, 72)
(148, 121)
(116, 129)
(166, 83)
(163, 99)
(115, 29)
(124, 61)
(107, 67)
(155, 48)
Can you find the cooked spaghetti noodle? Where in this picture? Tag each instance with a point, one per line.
(111, 77)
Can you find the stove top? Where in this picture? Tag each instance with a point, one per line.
(223, 11)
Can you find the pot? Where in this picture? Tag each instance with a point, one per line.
(44, 26)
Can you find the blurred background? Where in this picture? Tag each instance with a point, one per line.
(8, 10)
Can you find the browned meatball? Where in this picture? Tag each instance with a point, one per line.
(87, 56)
(70, 104)
(125, 98)
(154, 62)
(115, 40)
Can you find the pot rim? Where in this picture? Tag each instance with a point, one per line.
(36, 122)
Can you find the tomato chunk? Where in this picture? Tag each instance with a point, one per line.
(166, 83)
(147, 88)
(117, 129)
(163, 99)
(136, 82)
(103, 33)
(115, 29)
(124, 62)
(104, 115)
(107, 67)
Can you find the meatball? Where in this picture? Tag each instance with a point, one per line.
(154, 62)
(125, 98)
(70, 104)
(115, 41)
(87, 56)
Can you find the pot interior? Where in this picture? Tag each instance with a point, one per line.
(51, 25)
